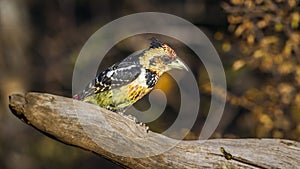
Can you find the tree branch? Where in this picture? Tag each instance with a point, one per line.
(67, 120)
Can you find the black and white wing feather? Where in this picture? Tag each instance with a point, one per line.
(117, 75)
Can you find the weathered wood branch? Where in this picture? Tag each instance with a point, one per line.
(112, 136)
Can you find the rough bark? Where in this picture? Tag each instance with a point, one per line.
(66, 120)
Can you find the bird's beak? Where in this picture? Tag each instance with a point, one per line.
(178, 64)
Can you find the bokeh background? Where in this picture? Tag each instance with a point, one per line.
(258, 42)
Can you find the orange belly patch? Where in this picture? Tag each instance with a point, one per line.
(136, 92)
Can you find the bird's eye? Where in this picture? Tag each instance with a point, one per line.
(166, 59)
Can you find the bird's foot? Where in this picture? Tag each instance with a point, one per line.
(134, 119)
(144, 125)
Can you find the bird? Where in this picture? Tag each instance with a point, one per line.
(121, 85)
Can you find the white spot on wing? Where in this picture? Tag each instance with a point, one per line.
(110, 73)
(126, 68)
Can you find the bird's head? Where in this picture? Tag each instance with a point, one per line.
(160, 57)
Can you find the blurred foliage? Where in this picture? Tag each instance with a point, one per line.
(268, 38)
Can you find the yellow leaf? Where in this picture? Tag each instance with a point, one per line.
(226, 46)
(238, 64)
(295, 20)
(258, 53)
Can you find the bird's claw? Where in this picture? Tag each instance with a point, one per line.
(134, 119)
(144, 125)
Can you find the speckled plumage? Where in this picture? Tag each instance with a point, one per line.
(124, 83)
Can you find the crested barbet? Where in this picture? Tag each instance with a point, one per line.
(125, 82)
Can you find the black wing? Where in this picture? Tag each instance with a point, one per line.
(117, 75)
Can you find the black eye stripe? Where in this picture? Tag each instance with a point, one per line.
(166, 59)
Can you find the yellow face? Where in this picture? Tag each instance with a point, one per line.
(161, 59)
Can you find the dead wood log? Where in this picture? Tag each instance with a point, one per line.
(55, 117)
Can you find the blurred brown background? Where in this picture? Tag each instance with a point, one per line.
(257, 40)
